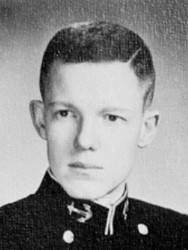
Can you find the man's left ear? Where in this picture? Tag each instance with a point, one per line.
(149, 128)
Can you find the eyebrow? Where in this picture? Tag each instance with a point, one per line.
(65, 104)
(116, 109)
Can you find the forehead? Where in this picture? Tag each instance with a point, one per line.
(111, 82)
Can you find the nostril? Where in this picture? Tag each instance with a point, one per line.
(84, 145)
(85, 141)
(86, 138)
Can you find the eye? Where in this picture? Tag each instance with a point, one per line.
(63, 113)
(113, 118)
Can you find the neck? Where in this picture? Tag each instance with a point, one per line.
(107, 200)
(112, 197)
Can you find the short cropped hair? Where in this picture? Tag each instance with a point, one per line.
(100, 42)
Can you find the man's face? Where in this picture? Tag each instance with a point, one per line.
(93, 117)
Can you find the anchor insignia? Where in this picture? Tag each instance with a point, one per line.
(86, 215)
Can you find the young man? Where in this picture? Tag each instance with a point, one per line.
(97, 84)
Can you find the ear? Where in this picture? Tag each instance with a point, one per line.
(149, 128)
(37, 115)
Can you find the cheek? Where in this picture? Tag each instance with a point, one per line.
(60, 138)
(122, 140)
(121, 146)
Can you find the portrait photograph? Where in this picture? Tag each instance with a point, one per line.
(94, 124)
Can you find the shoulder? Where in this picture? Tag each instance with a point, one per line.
(164, 225)
(155, 212)
(19, 220)
(23, 209)
(22, 214)
(13, 213)
(12, 221)
(25, 223)
(32, 210)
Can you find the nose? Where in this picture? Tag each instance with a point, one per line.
(86, 138)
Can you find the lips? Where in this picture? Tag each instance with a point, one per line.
(80, 165)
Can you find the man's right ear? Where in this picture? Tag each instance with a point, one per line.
(37, 115)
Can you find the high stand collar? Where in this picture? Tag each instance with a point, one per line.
(85, 211)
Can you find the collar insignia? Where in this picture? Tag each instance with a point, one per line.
(85, 215)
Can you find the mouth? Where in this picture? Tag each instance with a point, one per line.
(80, 165)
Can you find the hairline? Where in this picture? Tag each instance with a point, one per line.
(143, 48)
(58, 61)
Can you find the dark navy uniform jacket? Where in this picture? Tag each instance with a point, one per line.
(50, 219)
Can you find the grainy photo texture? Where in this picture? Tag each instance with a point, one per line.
(94, 124)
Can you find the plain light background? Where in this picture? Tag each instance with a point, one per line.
(160, 175)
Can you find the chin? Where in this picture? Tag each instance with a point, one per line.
(84, 192)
